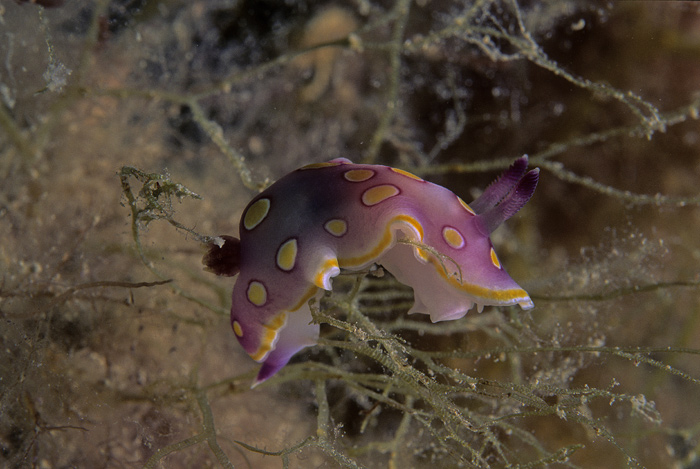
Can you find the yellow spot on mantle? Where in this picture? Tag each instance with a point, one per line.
(256, 213)
(319, 165)
(237, 329)
(358, 175)
(377, 194)
(336, 227)
(466, 206)
(406, 173)
(287, 255)
(453, 237)
(257, 294)
(494, 259)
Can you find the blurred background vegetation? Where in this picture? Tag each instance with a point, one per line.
(130, 129)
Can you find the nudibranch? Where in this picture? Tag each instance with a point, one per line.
(301, 231)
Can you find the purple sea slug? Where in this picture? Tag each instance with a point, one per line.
(300, 232)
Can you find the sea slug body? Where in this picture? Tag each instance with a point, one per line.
(300, 232)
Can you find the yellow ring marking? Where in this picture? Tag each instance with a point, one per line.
(309, 293)
(412, 222)
(453, 237)
(329, 266)
(502, 296)
(319, 165)
(237, 329)
(256, 213)
(257, 294)
(270, 331)
(384, 243)
(336, 227)
(287, 255)
(422, 254)
(358, 175)
(377, 194)
(406, 173)
(466, 206)
(494, 259)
